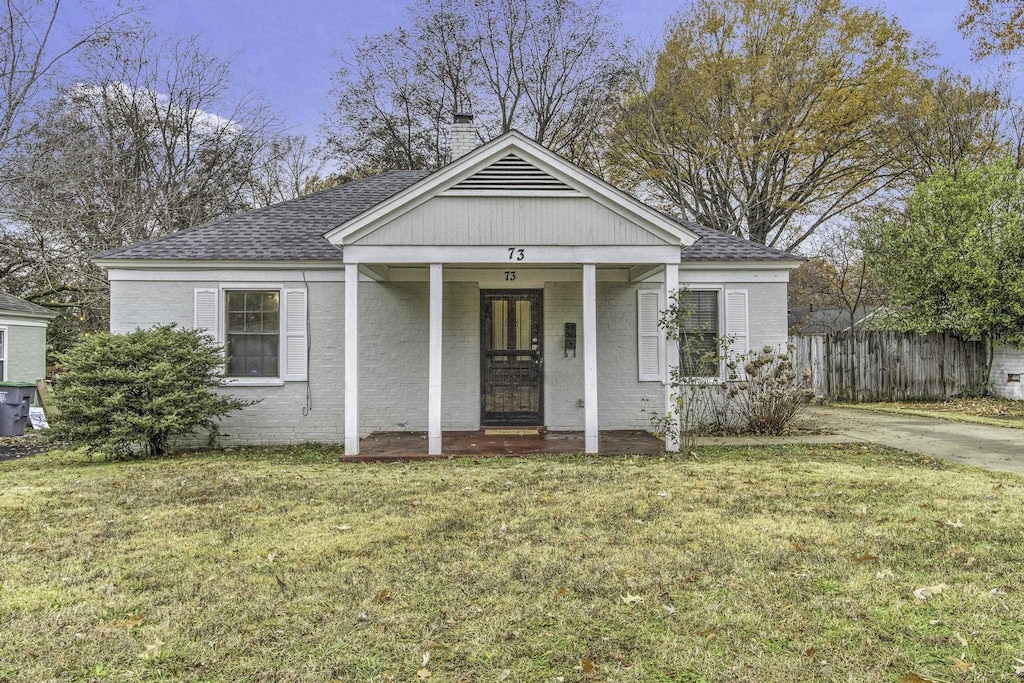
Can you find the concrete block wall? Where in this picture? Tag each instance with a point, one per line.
(1007, 360)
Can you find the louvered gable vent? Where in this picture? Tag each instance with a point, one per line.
(511, 174)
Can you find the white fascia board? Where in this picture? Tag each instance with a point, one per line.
(724, 274)
(24, 321)
(135, 275)
(532, 255)
(506, 277)
(593, 187)
(741, 265)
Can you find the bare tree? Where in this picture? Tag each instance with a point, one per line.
(838, 278)
(551, 69)
(148, 143)
(289, 167)
(35, 43)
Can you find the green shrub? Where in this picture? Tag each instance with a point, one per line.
(129, 394)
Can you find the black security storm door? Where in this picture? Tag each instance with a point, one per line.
(511, 357)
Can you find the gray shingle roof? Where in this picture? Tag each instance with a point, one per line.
(12, 304)
(294, 230)
(715, 245)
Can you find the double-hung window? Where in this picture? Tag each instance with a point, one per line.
(252, 340)
(3, 354)
(699, 347)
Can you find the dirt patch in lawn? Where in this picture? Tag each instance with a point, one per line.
(760, 564)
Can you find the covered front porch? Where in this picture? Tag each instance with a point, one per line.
(550, 280)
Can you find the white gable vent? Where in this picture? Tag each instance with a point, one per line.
(511, 175)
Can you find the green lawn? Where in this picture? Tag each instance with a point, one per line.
(998, 412)
(766, 564)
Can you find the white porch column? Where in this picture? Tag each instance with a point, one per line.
(671, 358)
(590, 356)
(434, 393)
(351, 359)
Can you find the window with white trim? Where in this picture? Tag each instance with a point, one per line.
(699, 346)
(3, 354)
(252, 332)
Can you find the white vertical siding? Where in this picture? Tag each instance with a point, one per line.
(477, 221)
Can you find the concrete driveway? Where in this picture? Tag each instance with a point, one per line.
(995, 448)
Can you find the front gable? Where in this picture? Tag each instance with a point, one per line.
(511, 191)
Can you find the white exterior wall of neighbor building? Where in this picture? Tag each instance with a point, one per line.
(25, 350)
(1007, 361)
(394, 353)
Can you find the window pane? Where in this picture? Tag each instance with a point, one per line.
(252, 333)
(699, 346)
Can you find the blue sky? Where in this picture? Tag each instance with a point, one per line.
(285, 49)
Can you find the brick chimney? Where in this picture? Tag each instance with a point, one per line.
(464, 136)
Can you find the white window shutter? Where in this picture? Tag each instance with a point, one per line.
(737, 320)
(296, 345)
(206, 311)
(650, 338)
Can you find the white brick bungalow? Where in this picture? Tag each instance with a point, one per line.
(509, 287)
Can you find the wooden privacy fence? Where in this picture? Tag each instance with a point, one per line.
(862, 367)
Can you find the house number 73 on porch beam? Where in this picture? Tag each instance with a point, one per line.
(516, 254)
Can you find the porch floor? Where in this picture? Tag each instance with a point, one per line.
(413, 445)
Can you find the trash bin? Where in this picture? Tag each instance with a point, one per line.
(15, 400)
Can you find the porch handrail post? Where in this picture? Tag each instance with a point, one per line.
(671, 362)
(590, 357)
(351, 359)
(434, 392)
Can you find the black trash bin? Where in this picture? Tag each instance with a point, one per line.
(15, 399)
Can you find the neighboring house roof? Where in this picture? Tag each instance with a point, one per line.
(12, 305)
(295, 230)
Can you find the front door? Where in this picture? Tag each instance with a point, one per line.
(511, 357)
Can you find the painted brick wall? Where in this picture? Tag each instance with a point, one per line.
(26, 352)
(395, 336)
(278, 417)
(563, 377)
(1006, 360)
(394, 352)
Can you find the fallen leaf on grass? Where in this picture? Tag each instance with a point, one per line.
(426, 659)
(128, 623)
(866, 557)
(811, 651)
(342, 527)
(959, 664)
(424, 674)
(586, 666)
(1018, 668)
(926, 592)
(914, 678)
(960, 639)
(631, 599)
(383, 596)
(797, 545)
(153, 649)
